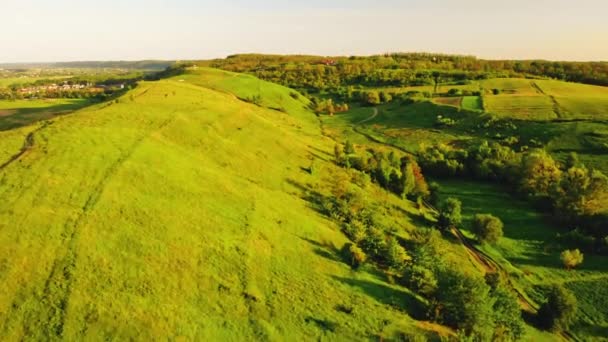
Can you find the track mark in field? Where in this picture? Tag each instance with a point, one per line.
(28, 143)
(57, 287)
(374, 115)
(557, 109)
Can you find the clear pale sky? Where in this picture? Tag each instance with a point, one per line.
(68, 30)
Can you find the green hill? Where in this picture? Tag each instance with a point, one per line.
(178, 211)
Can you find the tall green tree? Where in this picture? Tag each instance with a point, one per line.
(450, 213)
(558, 312)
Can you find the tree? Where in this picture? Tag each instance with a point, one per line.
(349, 148)
(450, 213)
(463, 302)
(571, 258)
(370, 98)
(421, 280)
(339, 154)
(487, 228)
(572, 160)
(508, 323)
(408, 180)
(540, 173)
(396, 256)
(434, 189)
(557, 313)
(355, 255)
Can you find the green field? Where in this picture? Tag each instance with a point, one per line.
(178, 213)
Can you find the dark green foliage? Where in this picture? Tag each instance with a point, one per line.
(434, 189)
(557, 313)
(464, 302)
(508, 322)
(421, 280)
(370, 98)
(349, 148)
(395, 255)
(450, 213)
(487, 228)
(353, 255)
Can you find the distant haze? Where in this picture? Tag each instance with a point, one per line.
(69, 30)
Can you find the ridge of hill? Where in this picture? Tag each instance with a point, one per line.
(180, 211)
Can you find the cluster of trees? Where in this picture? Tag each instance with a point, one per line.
(479, 308)
(316, 73)
(399, 174)
(463, 301)
(328, 106)
(575, 193)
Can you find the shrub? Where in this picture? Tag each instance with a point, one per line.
(571, 258)
(557, 313)
(356, 231)
(450, 213)
(508, 323)
(487, 228)
(395, 255)
(421, 280)
(354, 255)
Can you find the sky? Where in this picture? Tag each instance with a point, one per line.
(72, 30)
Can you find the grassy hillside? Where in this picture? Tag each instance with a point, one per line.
(178, 212)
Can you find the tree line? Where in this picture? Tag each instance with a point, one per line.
(315, 73)
(575, 194)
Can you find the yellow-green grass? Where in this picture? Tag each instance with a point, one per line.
(472, 103)
(521, 107)
(528, 251)
(177, 213)
(519, 86)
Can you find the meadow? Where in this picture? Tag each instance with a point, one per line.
(188, 208)
(180, 212)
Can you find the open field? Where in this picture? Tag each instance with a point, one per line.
(178, 176)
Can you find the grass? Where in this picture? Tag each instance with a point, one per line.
(472, 103)
(521, 107)
(178, 213)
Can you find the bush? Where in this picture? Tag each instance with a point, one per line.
(420, 280)
(444, 122)
(487, 228)
(395, 255)
(571, 258)
(354, 255)
(557, 313)
(450, 214)
(356, 231)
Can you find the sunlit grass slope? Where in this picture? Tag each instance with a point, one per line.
(177, 212)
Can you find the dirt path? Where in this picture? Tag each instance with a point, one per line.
(374, 115)
(492, 266)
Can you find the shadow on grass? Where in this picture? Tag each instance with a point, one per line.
(27, 116)
(400, 300)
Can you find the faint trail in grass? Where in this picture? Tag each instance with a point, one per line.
(57, 288)
(557, 109)
(28, 144)
(374, 114)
